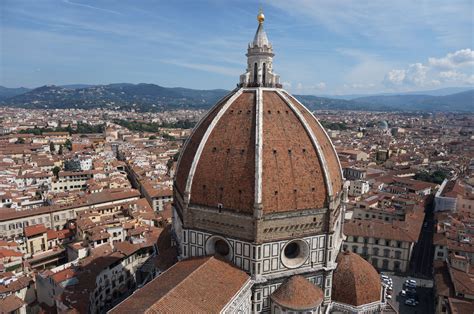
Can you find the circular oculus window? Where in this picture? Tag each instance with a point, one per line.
(295, 253)
(219, 246)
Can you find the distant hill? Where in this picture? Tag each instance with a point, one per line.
(151, 97)
(76, 86)
(434, 92)
(145, 97)
(463, 101)
(6, 92)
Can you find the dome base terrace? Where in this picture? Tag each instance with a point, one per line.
(254, 85)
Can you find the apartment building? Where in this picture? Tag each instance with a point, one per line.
(12, 221)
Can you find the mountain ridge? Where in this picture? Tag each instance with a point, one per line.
(152, 97)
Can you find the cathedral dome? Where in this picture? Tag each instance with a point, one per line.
(355, 281)
(298, 294)
(259, 148)
(259, 166)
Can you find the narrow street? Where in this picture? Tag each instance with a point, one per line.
(421, 264)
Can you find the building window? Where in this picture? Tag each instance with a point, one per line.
(255, 73)
(375, 262)
(396, 266)
(354, 248)
(385, 264)
(386, 252)
(398, 254)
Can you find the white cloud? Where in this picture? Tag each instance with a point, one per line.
(452, 75)
(416, 74)
(460, 58)
(395, 77)
(453, 69)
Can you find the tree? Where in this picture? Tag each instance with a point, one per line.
(176, 156)
(52, 148)
(56, 171)
(68, 144)
(60, 152)
(169, 165)
(166, 136)
(437, 176)
(20, 140)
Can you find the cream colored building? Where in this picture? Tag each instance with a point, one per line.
(36, 239)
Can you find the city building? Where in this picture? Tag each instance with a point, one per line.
(387, 245)
(454, 285)
(453, 196)
(358, 187)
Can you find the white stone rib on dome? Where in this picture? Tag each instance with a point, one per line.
(205, 138)
(325, 133)
(314, 141)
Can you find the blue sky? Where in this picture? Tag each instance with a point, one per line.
(321, 47)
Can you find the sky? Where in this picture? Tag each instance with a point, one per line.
(322, 47)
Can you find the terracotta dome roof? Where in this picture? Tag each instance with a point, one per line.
(261, 148)
(297, 293)
(355, 281)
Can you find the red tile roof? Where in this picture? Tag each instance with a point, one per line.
(457, 306)
(196, 285)
(9, 253)
(293, 172)
(88, 200)
(298, 294)
(63, 275)
(355, 281)
(10, 304)
(408, 230)
(31, 231)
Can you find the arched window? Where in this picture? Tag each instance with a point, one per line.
(264, 71)
(255, 72)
